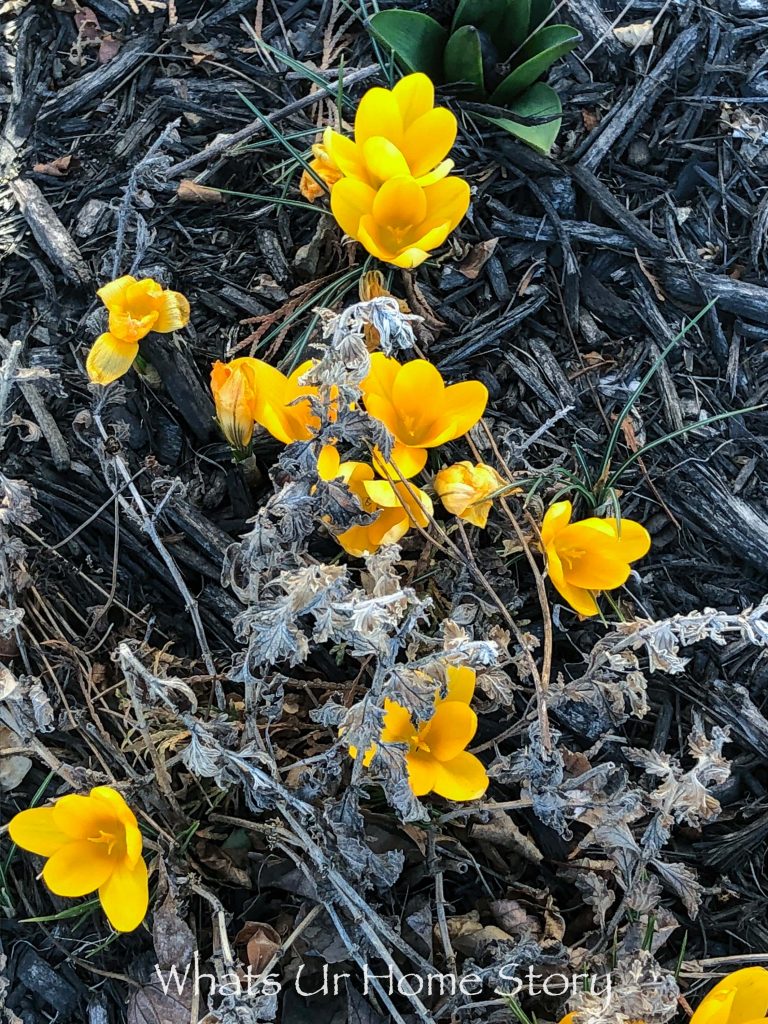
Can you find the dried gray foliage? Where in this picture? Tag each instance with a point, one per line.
(640, 990)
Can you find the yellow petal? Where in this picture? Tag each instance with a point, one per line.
(350, 201)
(634, 540)
(116, 803)
(556, 518)
(115, 291)
(129, 328)
(82, 818)
(582, 601)
(78, 868)
(449, 730)
(447, 202)
(390, 527)
(125, 896)
(408, 461)
(590, 558)
(398, 727)
(381, 376)
(36, 830)
(461, 683)
(406, 259)
(465, 404)
(399, 204)
(429, 139)
(384, 160)
(328, 462)
(421, 772)
(442, 170)
(110, 358)
(378, 114)
(174, 313)
(735, 999)
(415, 96)
(463, 778)
(345, 154)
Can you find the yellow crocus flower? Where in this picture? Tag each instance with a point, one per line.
(414, 404)
(437, 759)
(398, 133)
(135, 307)
(91, 843)
(591, 555)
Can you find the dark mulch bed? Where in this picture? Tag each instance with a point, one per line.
(559, 290)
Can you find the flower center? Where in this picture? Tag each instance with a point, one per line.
(570, 556)
(107, 839)
(416, 742)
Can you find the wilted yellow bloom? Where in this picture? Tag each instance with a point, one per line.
(437, 760)
(402, 221)
(235, 390)
(586, 557)
(324, 168)
(740, 998)
(414, 404)
(464, 489)
(135, 309)
(91, 842)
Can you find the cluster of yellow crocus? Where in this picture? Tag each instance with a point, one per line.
(135, 308)
(739, 998)
(410, 399)
(437, 759)
(391, 187)
(91, 843)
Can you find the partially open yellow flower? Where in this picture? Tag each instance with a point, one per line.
(401, 222)
(277, 402)
(398, 133)
(437, 760)
(740, 998)
(464, 489)
(135, 309)
(413, 403)
(586, 557)
(324, 168)
(399, 506)
(235, 390)
(91, 842)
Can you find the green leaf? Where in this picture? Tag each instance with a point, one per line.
(504, 21)
(540, 100)
(539, 53)
(463, 60)
(416, 40)
(539, 10)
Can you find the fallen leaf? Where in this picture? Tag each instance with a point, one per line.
(13, 767)
(477, 257)
(261, 942)
(108, 49)
(502, 832)
(87, 23)
(150, 1005)
(58, 168)
(640, 34)
(190, 192)
(173, 938)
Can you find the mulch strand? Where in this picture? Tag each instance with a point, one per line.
(129, 144)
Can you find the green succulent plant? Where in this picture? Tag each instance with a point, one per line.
(497, 48)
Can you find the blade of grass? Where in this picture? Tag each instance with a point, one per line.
(681, 957)
(274, 199)
(613, 440)
(64, 915)
(283, 140)
(295, 65)
(611, 482)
